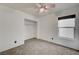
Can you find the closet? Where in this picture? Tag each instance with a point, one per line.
(30, 29)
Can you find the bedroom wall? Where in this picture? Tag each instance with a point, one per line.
(12, 27)
(48, 28)
(66, 42)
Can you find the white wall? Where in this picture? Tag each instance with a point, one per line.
(12, 27)
(30, 28)
(66, 42)
(48, 28)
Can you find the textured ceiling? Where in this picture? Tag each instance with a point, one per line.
(30, 8)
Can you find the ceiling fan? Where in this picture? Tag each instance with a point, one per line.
(44, 7)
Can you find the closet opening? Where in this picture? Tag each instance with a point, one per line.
(30, 29)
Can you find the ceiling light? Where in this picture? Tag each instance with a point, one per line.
(44, 7)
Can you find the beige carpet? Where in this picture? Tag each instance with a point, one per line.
(40, 47)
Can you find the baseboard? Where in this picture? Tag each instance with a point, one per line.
(31, 38)
(60, 45)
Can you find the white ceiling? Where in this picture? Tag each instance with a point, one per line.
(30, 8)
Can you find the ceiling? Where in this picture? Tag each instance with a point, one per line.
(30, 8)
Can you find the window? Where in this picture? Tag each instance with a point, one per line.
(66, 26)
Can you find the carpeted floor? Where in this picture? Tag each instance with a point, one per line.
(40, 47)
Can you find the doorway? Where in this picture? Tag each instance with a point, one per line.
(30, 29)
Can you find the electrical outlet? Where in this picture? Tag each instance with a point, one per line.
(15, 41)
(52, 38)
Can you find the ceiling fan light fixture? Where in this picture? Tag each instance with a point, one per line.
(44, 7)
(41, 10)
